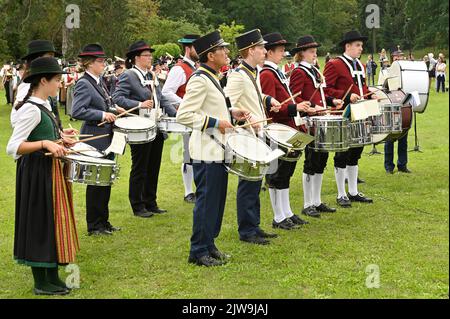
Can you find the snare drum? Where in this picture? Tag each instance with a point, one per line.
(86, 149)
(331, 133)
(139, 130)
(278, 135)
(170, 125)
(360, 133)
(390, 121)
(89, 170)
(246, 157)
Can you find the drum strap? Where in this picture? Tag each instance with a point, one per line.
(252, 78)
(316, 83)
(100, 89)
(358, 75)
(50, 115)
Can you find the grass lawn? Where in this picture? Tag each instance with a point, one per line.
(405, 232)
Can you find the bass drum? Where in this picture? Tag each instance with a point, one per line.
(410, 76)
(396, 97)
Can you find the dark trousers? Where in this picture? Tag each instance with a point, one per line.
(402, 151)
(350, 157)
(146, 162)
(211, 181)
(97, 211)
(440, 83)
(282, 177)
(248, 208)
(315, 162)
(8, 92)
(371, 77)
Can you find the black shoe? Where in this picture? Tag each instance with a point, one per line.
(360, 198)
(59, 292)
(206, 260)
(298, 221)
(285, 224)
(388, 171)
(311, 212)
(143, 214)
(344, 202)
(98, 232)
(111, 228)
(157, 210)
(217, 254)
(258, 240)
(404, 170)
(325, 209)
(190, 198)
(263, 234)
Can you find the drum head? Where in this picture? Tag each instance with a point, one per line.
(249, 147)
(86, 149)
(280, 133)
(87, 159)
(134, 123)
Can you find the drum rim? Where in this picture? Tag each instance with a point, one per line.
(244, 157)
(152, 126)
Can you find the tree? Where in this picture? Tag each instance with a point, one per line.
(229, 33)
(162, 49)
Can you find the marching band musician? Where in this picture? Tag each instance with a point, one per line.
(45, 231)
(274, 83)
(173, 91)
(205, 109)
(244, 91)
(135, 89)
(308, 80)
(341, 73)
(92, 104)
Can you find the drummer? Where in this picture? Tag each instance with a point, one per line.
(135, 89)
(308, 80)
(92, 104)
(43, 196)
(244, 92)
(205, 109)
(274, 83)
(173, 91)
(344, 72)
(402, 150)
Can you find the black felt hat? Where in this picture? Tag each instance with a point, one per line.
(304, 43)
(352, 36)
(208, 42)
(43, 65)
(92, 50)
(40, 46)
(275, 39)
(249, 39)
(137, 48)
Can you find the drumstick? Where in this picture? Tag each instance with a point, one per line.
(367, 94)
(348, 91)
(70, 126)
(92, 138)
(251, 127)
(310, 99)
(250, 124)
(78, 135)
(292, 97)
(121, 114)
(70, 152)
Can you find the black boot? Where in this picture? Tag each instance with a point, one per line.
(42, 286)
(53, 278)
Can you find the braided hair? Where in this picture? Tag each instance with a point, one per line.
(34, 84)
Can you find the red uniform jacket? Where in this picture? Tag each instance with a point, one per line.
(339, 79)
(271, 85)
(301, 82)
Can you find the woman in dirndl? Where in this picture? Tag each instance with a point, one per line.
(45, 233)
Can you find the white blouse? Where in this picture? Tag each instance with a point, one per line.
(24, 121)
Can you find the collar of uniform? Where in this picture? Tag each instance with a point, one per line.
(41, 102)
(96, 78)
(144, 73)
(186, 59)
(349, 58)
(271, 64)
(306, 64)
(251, 69)
(211, 70)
